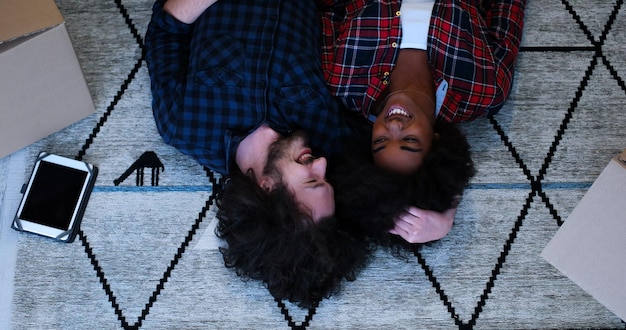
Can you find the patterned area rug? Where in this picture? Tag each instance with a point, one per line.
(146, 256)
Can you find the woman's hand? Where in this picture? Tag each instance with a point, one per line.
(421, 226)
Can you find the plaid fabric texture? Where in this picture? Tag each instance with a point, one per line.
(241, 64)
(473, 49)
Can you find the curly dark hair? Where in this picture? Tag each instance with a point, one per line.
(370, 198)
(271, 239)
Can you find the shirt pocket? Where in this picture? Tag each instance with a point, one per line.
(219, 76)
(219, 62)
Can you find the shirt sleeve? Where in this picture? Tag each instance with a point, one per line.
(167, 48)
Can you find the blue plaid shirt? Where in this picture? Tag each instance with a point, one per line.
(241, 64)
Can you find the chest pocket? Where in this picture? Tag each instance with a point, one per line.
(219, 76)
(219, 61)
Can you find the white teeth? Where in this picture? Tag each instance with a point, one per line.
(398, 111)
(305, 158)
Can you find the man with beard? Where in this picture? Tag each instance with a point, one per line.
(232, 81)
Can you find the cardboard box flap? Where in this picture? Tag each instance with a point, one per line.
(42, 88)
(590, 245)
(7, 46)
(23, 17)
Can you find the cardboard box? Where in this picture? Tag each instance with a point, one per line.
(590, 246)
(42, 87)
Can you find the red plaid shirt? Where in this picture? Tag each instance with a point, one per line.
(474, 52)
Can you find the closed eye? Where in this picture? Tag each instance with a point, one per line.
(313, 183)
(379, 140)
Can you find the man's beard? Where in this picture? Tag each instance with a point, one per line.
(278, 151)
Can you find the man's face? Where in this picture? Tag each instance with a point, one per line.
(303, 174)
(402, 134)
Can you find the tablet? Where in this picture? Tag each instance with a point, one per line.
(55, 197)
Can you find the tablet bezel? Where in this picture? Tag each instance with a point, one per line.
(66, 234)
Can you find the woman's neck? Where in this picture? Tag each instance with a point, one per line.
(412, 72)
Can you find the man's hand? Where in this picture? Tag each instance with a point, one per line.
(421, 226)
(187, 11)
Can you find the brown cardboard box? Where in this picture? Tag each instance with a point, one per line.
(42, 87)
(590, 246)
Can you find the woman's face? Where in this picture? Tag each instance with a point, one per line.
(402, 133)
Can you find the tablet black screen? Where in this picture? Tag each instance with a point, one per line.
(53, 195)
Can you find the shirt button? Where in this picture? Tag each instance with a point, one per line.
(385, 82)
(386, 74)
(394, 44)
(398, 13)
